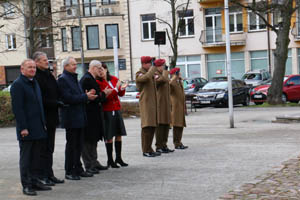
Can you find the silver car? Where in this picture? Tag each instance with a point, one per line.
(256, 77)
(131, 95)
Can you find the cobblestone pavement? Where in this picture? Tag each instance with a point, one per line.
(279, 184)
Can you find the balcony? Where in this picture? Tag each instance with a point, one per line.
(90, 10)
(216, 38)
(296, 31)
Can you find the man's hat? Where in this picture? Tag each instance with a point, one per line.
(174, 70)
(146, 59)
(159, 62)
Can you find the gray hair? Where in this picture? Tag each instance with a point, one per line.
(25, 61)
(95, 63)
(66, 61)
(38, 54)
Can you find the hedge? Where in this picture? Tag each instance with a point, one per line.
(7, 117)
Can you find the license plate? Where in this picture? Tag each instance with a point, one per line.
(258, 96)
(205, 102)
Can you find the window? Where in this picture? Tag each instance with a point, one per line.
(259, 60)
(46, 40)
(43, 8)
(186, 27)
(110, 31)
(11, 42)
(92, 34)
(109, 2)
(276, 18)
(190, 66)
(236, 19)
(295, 80)
(8, 10)
(89, 7)
(64, 39)
(75, 38)
(71, 2)
(148, 26)
(255, 22)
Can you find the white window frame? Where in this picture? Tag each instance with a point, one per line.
(186, 22)
(186, 63)
(151, 37)
(12, 45)
(235, 14)
(257, 23)
(9, 10)
(48, 44)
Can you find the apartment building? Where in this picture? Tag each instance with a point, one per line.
(100, 21)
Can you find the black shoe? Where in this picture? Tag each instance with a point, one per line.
(181, 147)
(121, 162)
(156, 153)
(149, 154)
(168, 150)
(101, 167)
(112, 164)
(72, 177)
(46, 182)
(56, 180)
(40, 187)
(92, 171)
(161, 151)
(86, 174)
(29, 191)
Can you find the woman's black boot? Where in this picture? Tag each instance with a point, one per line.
(118, 147)
(110, 161)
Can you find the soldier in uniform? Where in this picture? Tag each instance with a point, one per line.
(177, 107)
(164, 106)
(145, 82)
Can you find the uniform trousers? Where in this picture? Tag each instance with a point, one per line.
(177, 135)
(29, 161)
(89, 154)
(147, 139)
(161, 136)
(74, 145)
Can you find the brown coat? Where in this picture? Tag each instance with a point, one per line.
(148, 102)
(177, 103)
(163, 97)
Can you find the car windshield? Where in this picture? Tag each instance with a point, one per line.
(186, 82)
(131, 88)
(215, 85)
(252, 77)
(285, 78)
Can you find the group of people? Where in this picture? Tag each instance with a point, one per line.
(90, 111)
(162, 105)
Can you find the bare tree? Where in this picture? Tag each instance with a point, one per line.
(285, 10)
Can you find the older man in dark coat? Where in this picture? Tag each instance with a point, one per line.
(73, 117)
(95, 125)
(27, 106)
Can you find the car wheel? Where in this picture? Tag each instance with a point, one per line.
(247, 101)
(258, 103)
(284, 98)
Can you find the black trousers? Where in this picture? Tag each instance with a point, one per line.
(30, 167)
(75, 137)
(89, 154)
(47, 153)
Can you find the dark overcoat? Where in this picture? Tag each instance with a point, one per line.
(177, 102)
(73, 113)
(27, 106)
(95, 125)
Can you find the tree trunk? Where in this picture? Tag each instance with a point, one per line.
(174, 35)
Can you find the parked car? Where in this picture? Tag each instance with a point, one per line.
(192, 86)
(219, 78)
(7, 89)
(291, 90)
(132, 94)
(215, 93)
(256, 77)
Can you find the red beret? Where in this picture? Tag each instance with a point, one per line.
(146, 59)
(174, 70)
(159, 62)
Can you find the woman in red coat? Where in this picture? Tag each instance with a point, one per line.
(114, 124)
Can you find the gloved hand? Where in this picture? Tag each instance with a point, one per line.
(166, 67)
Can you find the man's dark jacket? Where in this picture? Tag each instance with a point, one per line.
(95, 125)
(27, 106)
(71, 93)
(49, 89)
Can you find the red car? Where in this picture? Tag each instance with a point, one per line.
(291, 90)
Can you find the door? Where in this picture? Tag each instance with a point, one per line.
(213, 28)
(293, 91)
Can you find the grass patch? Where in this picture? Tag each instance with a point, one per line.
(265, 105)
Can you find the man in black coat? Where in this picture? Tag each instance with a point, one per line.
(27, 106)
(95, 125)
(73, 117)
(49, 89)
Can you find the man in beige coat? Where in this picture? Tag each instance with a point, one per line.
(164, 106)
(177, 107)
(145, 82)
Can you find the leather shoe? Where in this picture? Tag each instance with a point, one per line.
(181, 147)
(46, 182)
(161, 151)
(149, 154)
(72, 177)
(56, 180)
(92, 171)
(29, 191)
(156, 153)
(40, 187)
(101, 167)
(168, 150)
(86, 174)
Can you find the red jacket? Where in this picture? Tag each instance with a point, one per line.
(112, 101)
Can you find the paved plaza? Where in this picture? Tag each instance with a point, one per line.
(219, 163)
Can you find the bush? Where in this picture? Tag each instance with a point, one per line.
(7, 117)
(130, 109)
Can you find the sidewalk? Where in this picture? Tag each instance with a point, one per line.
(218, 160)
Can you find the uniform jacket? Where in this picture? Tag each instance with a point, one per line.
(163, 97)
(49, 89)
(27, 106)
(148, 100)
(112, 101)
(71, 93)
(95, 125)
(177, 103)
